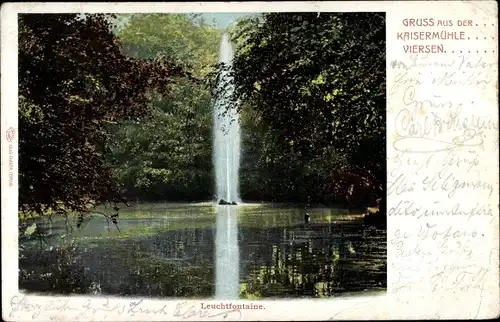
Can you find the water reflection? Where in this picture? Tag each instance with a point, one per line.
(267, 254)
(227, 257)
(319, 261)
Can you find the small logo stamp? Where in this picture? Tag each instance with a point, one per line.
(11, 133)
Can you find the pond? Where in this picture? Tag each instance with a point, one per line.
(169, 250)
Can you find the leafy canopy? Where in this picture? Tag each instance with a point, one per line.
(167, 156)
(75, 80)
(317, 85)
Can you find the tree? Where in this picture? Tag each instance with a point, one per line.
(74, 81)
(167, 155)
(317, 84)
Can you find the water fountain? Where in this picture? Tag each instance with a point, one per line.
(226, 134)
(226, 160)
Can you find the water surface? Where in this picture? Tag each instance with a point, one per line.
(168, 250)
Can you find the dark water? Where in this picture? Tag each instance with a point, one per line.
(170, 252)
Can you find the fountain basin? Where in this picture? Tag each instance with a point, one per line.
(227, 203)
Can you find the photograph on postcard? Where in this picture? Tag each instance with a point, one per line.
(202, 155)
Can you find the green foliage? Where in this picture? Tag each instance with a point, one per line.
(317, 84)
(131, 108)
(167, 155)
(182, 39)
(74, 80)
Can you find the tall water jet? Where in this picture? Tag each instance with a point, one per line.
(226, 161)
(226, 150)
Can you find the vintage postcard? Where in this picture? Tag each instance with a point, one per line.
(250, 161)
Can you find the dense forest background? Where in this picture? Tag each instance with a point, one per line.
(114, 107)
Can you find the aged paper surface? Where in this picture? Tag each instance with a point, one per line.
(442, 173)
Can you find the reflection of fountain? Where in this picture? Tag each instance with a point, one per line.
(227, 254)
(226, 162)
